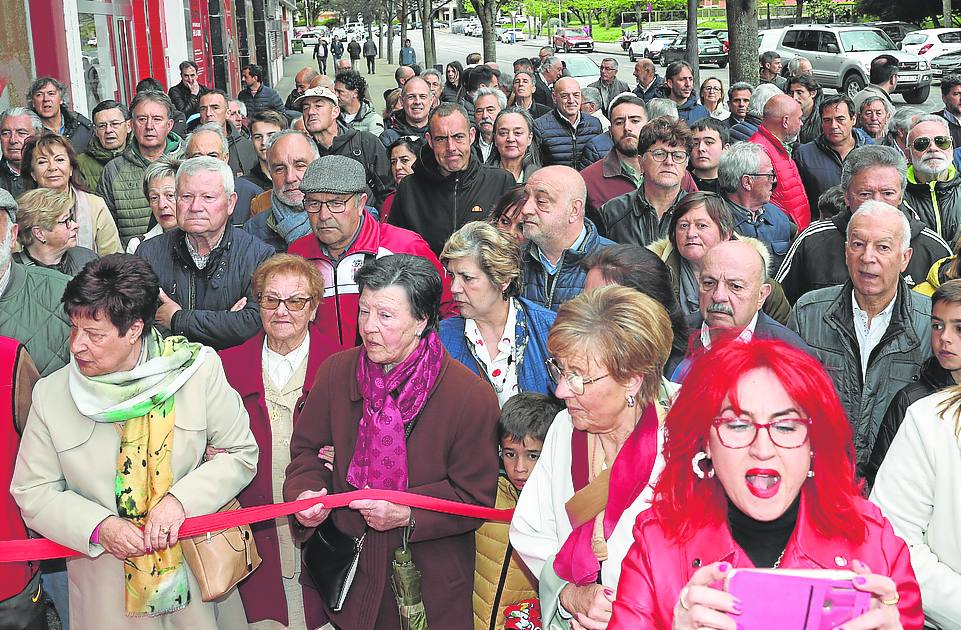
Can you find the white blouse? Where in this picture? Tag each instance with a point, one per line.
(501, 371)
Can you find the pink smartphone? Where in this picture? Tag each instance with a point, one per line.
(787, 599)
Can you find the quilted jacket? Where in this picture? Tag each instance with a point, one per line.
(789, 195)
(560, 142)
(31, 313)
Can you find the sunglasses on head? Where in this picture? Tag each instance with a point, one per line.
(942, 142)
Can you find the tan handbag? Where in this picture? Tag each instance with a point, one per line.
(220, 560)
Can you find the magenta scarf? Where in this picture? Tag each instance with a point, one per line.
(391, 402)
(576, 562)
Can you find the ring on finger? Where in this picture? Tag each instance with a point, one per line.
(893, 601)
(164, 530)
(682, 597)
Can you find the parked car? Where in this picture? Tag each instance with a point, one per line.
(650, 43)
(721, 35)
(710, 50)
(310, 38)
(895, 30)
(932, 42)
(511, 35)
(944, 65)
(572, 40)
(458, 25)
(841, 55)
(583, 69)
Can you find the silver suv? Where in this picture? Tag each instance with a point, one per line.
(841, 56)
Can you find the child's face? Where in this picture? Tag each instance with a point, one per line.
(519, 458)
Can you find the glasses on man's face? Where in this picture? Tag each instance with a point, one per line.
(335, 206)
(742, 432)
(575, 381)
(772, 175)
(659, 155)
(270, 302)
(114, 124)
(942, 142)
(66, 222)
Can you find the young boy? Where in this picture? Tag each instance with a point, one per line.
(499, 579)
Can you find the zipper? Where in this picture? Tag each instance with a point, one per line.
(551, 284)
(505, 566)
(934, 202)
(453, 221)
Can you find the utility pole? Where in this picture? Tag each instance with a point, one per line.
(947, 13)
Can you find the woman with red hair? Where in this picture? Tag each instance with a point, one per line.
(742, 488)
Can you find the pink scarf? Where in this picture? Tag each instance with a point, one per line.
(576, 562)
(391, 402)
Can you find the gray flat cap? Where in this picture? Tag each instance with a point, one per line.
(8, 203)
(336, 174)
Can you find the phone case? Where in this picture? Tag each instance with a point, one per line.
(795, 599)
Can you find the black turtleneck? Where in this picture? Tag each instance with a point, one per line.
(763, 541)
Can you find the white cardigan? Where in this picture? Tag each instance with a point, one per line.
(918, 488)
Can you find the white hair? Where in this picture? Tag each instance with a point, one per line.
(205, 164)
(215, 129)
(490, 91)
(760, 96)
(875, 208)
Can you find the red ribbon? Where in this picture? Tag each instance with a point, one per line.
(43, 549)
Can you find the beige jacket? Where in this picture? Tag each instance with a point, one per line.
(97, 230)
(64, 485)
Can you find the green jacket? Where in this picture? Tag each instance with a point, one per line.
(121, 186)
(92, 161)
(31, 313)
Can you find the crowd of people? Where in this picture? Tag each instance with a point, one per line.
(503, 290)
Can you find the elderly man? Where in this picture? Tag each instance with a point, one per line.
(816, 260)
(111, 124)
(883, 76)
(641, 217)
(679, 81)
(345, 236)
(17, 125)
(648, 81)
(355, 111)
(321, 113)
(343, 65)
(209, 140)
(205, 264)
(738, 100)
(435, 82)
(951, 97)
(770, 69)
(744, 130)
(780, 128)
(872, 333)
(711, 139)
(449, 186)
(560, 236)
(820, 162)
(214, 109)
(608, 84)
(488, 102)
(874, 114)
(236, 114)
(30, 308)
(186, 94)
(564, 132)
(121, 183)
(478, 77)
(263, 126)
(301, 83)
(747, 179)
(257, 96)
(48, 98)
(934, 188)
(591, 104)
(411, 120)
(901, 124)
(619, 172)
(289, 153)
(550, 70)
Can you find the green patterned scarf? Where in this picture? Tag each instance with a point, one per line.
(143, 399)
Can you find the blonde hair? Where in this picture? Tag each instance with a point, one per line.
(40, 207)
(289, 265)
(496, 254)
(623, 330)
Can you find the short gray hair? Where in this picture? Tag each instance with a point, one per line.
(930, 118)
(35, 123)
(759, 98)
(738, 87)
(204, 164)
(904, 119)
(160, 169)
(272, 140)
(793, 67)
(550, 62)
(490, 91)
(215, 129)
(610, 59)
(592, 95)
(152, 96)
(240, 106)
(761, 250)
(873, 156)
(658, 107)
(874, 208)
(739, 159)
(431, 72)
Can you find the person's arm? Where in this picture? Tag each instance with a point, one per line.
(220, 329)
(382, 184)
(791, 274)
(886, 433)
(276, 101)
(105, 188)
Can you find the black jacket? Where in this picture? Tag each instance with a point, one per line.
(542, 91)
(396, 126)
(560, 142)
(206, 295)
(631, 220)
(242, 156)
(811, 126)
(77, 129)
(742, 131)
(953, 127)
(13, 184)
(652, 92)
(436, 206)
(933, 378)
(185, 101)
(937, 203)
(258, 177)
(366, 149)
(819, 166)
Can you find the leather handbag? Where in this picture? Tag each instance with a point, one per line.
(220, 560)
(330, 557)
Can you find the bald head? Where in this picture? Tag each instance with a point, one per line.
(782, 117)
(303, 78)
(402, 75)
(732, 285)
(416, 99)
(322, 80)
(644, 71)
(567, 97)
(553, 214)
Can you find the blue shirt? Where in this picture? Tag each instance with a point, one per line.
(552, 268)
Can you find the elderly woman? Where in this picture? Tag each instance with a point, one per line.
(608, 351)
(401, 387)
(759, 472)
(112, 458)
(53, 164)
(523, 95)
(403, 155)
(160, 189)
(506, 216)
(47, 232)
(452, 83)
(514, 146)
(712, 97)
(700, 221)
(501, 337)
(273, 373)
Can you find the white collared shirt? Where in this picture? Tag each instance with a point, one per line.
(746, 335)
(485, 148)
(501, 371)
(199, 259)
(869, 335)
(281, 366)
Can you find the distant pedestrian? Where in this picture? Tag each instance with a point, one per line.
(407, 55)
(353, 49)
(370, 53)
(320, 54)
(337, 48)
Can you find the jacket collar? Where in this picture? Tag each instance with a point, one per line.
(611, 166)
(179, 245)
(570, 257)
(771, 138)
(952, 181)
(428, 167)
(366, 242)
(839, 314)
(250, 381)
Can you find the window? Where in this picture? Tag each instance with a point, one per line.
(828, 41)
(867, 40)
(790, 39)
(915, 38)
(952, 37)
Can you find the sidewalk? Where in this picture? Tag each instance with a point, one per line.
(376, 83)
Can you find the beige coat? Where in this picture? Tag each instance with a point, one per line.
(103, 237)
(64, 484)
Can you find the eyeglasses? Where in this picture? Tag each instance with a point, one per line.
(659, 155)
(741, 432)
(335, 206)
(575, 381)
(114, 124)
(772, 175)
(711, 88)
(66, 222)
(942, 142)
(271, 303)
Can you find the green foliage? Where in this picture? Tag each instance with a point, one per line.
(916, 11)
(330, 22)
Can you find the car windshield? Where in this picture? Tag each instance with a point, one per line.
(915, 38)
(665, 37)
(867, 40)
(581, 66)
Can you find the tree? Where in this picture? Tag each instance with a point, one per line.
(916, 11)
(742, 32)
(691, 52)
(487, 11)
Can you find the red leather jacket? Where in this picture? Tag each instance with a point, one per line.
(789, 194)
(657, 568)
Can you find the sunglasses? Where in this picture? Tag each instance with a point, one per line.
(942, 142)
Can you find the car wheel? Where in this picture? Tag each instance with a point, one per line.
(853, 83)
(918, 96)
(630, 55)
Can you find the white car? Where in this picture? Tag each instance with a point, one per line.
(310, 38)
(581, 67)
(932, 42)
(518, 35)
(650, 43)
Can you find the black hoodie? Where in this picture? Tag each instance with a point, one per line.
(366, 149)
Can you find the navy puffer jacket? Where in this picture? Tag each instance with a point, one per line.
(560, 142)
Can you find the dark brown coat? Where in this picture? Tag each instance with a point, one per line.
(451, 454)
